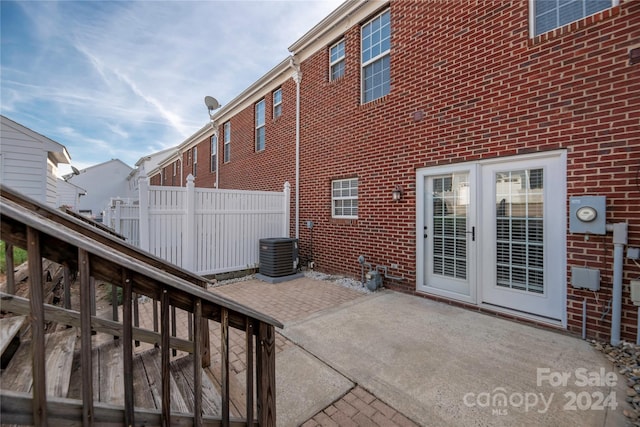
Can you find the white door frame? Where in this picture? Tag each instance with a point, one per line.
(475, 266)
(423, 209)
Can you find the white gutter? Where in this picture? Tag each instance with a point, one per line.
(214, 126)
(297, 77)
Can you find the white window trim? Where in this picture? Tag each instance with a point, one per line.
(195, 161)
(227, 142)
(259, 126)
(214, 152)
(277, 104)
(175, 167)
(334, 198)
(532, 18)
(337, 61)
(372, 60)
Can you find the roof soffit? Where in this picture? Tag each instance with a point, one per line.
(334, 26)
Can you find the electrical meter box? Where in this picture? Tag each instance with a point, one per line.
(588, 214)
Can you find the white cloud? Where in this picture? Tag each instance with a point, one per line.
(104, 78)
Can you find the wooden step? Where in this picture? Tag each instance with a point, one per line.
(237, 391)
(182, 372)
(59, 348)
(9, 328)
(152, 365)
(107, 373)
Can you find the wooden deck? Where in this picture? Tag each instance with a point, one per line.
(59, 349)
(74, 367)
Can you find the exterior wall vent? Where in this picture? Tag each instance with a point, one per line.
(278, 256)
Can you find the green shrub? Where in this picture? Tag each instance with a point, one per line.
(19, 256)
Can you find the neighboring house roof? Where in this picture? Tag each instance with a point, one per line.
(77, 188)
(152, 161)
(333, 23)
(102, 182)
(57, 152)
(268, 82)
(205, 131)
(94, 167)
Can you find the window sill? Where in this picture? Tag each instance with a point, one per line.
(575, 25)
(374, 103)
(344, 221)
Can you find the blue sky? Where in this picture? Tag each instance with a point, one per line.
(116, 79)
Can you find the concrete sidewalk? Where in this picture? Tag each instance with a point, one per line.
(394, 359)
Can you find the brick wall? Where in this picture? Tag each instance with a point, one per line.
(468, 84)
(270, 168)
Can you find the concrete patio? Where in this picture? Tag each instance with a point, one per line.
(393, 359)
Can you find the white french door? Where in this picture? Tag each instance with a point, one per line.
(524, 235)
(494, 233)
(447, 232)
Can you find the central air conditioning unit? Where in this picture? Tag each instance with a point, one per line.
(278, 256)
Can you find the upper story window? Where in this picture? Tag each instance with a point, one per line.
(214, 152)
(227, 142)
(547, 15)
(175, 164)
(194, 171)
(376, 64)
(277, 103)
(260, 128)
(336, 60)
(344, 198)
(188, 157)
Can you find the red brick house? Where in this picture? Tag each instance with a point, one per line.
(486, 119)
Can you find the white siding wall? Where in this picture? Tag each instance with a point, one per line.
(103, 182)
(68, 195)
(24, 164)
(52, 184)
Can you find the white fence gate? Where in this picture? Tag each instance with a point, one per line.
(206, 231)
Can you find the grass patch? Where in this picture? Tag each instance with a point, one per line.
(19, 256)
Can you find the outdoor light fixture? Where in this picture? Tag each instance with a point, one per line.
(396, 194)
(212, 105)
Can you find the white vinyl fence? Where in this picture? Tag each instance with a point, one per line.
(203, 230)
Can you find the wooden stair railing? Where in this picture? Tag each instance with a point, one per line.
(44, 233)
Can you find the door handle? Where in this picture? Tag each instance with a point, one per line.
(425, 232)
(473, 233)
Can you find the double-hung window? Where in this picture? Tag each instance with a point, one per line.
(277, 103)
(336, 60)
(227, 142)
(260, 128)
(175, 164)
(194, 171)
(344, 198)
(214, 152)
(376, 62)
(547, 15)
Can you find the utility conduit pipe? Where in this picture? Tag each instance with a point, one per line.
(619, 241)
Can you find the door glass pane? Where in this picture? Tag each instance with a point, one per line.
(450, 201)
(519, 230)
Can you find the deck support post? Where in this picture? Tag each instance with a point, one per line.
(37, 327)
(266, 373)
(127, 348)
(85, 337)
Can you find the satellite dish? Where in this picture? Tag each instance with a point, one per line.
(211, 103)
(75, 170)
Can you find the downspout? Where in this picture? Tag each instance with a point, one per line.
(297, 77)
(215, 133)
(180, 159)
